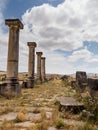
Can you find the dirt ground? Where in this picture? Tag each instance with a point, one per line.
(38, 109)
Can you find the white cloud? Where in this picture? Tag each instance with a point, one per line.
(88, 60)
(65, 26)
(80, 54)
(56, 63)
(53, 27)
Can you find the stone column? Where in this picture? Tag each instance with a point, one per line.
(43, 69)
(31, 66)
(39, 78)
(12, 86)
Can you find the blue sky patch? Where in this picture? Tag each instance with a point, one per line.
(16, 8)
(92, 46)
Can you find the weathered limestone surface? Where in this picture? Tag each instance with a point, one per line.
(31, 66)
(39, 77)
(43, 69)
(71, 104)
(93, 87)
(11, 85)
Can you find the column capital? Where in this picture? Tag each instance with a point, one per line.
(43, 58)
(14, 22)
(32, 44)
(39, 53)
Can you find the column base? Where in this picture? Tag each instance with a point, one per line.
(30, 82)
(44, 80)
(38, 81)
(10, 87)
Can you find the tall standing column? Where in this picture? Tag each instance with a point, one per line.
(43, 69)
(39, 78)
(12, 86)
(31, 66)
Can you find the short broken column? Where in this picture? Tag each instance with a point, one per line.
(93, 87)
(39, 78)
(12, 87)
(43, 69)
(31, 66)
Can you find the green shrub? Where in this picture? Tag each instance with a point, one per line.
(59, 123)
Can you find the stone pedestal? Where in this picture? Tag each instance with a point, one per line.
(39, 77)
(93, 87)
(11, 85)
(31, 64)
(43, 69)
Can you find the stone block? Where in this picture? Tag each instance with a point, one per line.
(93, 83)
(10, 89)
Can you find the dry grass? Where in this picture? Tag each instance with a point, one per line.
(21, 117)
(5, 109)
(33, 100)
(8, 125)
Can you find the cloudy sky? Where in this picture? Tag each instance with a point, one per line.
(66, 31)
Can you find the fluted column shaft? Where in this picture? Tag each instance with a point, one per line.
(39, 54)
(31, 64)
(43, 68)
(13, 47)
